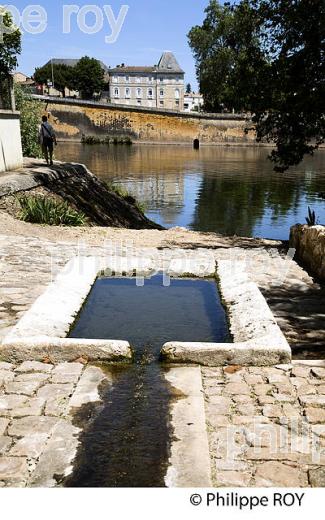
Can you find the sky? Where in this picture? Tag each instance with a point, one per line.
(149, 28)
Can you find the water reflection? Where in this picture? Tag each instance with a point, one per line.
(229, 190)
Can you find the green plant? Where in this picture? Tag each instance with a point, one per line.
(311, 219)
(30, 115)
(90, 139)
(122, 192)
(44, 210)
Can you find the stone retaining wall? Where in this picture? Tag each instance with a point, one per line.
(310, 245)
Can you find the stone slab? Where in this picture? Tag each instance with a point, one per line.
(189, 463)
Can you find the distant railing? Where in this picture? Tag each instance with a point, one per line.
(101, 104)
(7, 98)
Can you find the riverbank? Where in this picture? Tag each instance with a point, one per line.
(76, 187)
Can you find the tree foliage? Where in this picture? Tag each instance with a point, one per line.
(10, 47)
(63, 76)
(30, 116)
(188, 88)
(88, 77)
(267, 57)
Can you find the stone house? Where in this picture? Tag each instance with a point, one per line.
(158, 86)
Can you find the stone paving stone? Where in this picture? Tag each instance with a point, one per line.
(67, 373)
(34, 366)
(33, 407)
(9, 402)
(5, 443)
(30, 425)
(22, 388)
(87, 388)
(317, 477)
(272, 411)
(5, 377)
(237, 389)
(233, 479)
(318, 372)
(13, 470)
(303, 371)
(33, 377)
(317, 401)
(31, 446)
(3, 425)
(57, 397)
(6, 366)
(58, 455)
(315, 415)
(277, 474)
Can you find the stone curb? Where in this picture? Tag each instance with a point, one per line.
(218, 354)
(59, 350)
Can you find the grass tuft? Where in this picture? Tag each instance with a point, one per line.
(43, 210)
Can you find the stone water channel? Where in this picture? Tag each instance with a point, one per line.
(128, 444)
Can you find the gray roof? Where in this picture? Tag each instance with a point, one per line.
(167, 64)
(71, 62)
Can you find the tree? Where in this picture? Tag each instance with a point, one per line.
(10, 47)
(188, 88)
(10, 43)
(30, 116)
(267, 57)
(63, 76)
(88, 77)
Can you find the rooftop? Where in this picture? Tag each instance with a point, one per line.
(71, 62)
(167, 64)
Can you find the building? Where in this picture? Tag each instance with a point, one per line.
(193, 102)
(23, 79)
(158, 86)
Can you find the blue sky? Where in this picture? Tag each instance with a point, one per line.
(150, 27)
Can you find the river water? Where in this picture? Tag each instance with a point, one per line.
(228, 190)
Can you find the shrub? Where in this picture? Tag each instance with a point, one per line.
(31, 112)
(122, 192)
(43, 210)
(91, 139)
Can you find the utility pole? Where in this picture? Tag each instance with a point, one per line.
(52, 73)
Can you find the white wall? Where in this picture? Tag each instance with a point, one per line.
(11, 156)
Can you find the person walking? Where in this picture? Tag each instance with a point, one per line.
(47, 140)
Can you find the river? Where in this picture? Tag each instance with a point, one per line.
(228, 190)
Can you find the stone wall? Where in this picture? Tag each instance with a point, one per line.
(72, 119)
(11, 156)
(310, 245)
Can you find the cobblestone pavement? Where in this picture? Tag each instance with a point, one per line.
(36, 427)
(266, 426)
(38, 441)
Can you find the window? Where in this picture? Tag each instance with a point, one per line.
(116, 93)
(139, 93)
(161, 103)
(150, 93)
(139, 101)
(177, 93)
(177, 102)
(127, 93)
(161, 93)
(161, 80)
